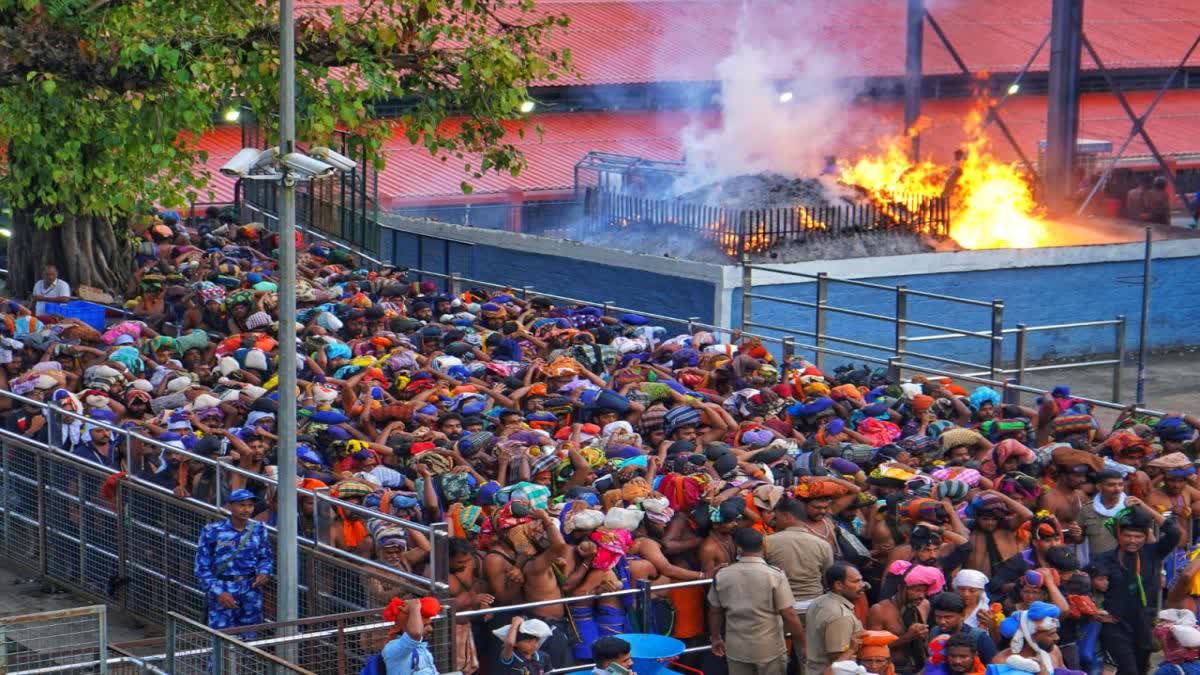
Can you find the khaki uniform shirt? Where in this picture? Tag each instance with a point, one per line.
(752, 593)
(1098, 537)
(829, 627)
(803, 557)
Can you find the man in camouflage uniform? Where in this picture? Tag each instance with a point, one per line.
(233, 563)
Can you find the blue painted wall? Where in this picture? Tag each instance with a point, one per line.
(1033, 296)
(570, 277)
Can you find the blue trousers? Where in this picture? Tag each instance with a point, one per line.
(249, 610)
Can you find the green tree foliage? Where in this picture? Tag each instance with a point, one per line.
(101, 100)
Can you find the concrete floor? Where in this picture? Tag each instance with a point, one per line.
(22, 594)
(1170, 383)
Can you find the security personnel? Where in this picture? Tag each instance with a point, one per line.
(233, 563)
(753, 602)
(831, 628)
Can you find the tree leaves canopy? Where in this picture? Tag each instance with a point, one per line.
(101, 100)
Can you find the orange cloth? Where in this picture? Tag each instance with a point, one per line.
(689, 612)
(353, 531)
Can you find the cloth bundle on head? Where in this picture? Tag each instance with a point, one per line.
(811, 487)
(1041, 526)
(611, 547)
(954, 490)
(921, 403)
(530, 627)
(1173, 429)
(982, 396)
(623, 519)
(890, 475)
(847, 668)
(958, 437)
(876, 643)
(1175, 465)
(918, 575)
(969, 477)
(1069, 458)
(465, 520)
(1128, 518)
(584, 520)
(658, 510)
(1182, 625)
(396, 612)
(1067, 425)
(1022, 625)
(679, 417)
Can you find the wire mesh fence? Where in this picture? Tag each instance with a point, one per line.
(132, 544)
(64, 640)
(193, 648)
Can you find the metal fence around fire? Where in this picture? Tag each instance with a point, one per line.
(739, 231)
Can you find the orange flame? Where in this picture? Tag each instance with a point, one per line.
(992, 204)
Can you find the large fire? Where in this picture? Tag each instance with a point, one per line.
(992, 204)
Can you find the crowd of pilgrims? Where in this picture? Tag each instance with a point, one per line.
(573, 453)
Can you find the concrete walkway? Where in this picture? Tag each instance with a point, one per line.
(21, 594)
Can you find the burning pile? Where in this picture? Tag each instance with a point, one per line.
(769, 190)
(992, 203)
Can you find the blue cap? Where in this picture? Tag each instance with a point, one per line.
(242, 495)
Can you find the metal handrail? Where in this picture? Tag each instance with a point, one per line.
(234, 642)
(867, 284)
(1010, 331)
(51, 411)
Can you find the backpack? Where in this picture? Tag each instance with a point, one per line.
(374, 666)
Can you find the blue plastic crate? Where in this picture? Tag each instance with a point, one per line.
(87, 312)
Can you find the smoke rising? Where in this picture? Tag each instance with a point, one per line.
(784, 95)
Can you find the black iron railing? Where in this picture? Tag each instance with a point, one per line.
(739, 231)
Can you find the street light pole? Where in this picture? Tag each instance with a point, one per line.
(286, 557)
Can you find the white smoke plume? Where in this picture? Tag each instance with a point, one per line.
(784, 97)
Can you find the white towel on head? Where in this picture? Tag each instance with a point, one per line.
(847, 668)
(532, 627)
(256, 359)
(228, 366)
(179, 384)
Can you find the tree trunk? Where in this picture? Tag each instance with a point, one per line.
(86, 250)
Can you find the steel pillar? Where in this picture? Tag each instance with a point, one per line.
(914, 50)
(1062, 113)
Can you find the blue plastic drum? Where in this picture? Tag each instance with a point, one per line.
(652, 652)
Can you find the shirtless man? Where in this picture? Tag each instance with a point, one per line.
(1066, 498)
(994, 538)
(905, 614)
(467, 587)
(822, 509)
(1179, 496)
(525, 572)
(718, 550)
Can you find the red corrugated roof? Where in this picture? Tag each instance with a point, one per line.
(221, 144)
(631, 41)
(637, 41)
(411, 175)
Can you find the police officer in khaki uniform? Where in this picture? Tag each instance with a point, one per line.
(752, 601)
(831, 628)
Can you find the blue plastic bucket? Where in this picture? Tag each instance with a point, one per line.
(651, 652)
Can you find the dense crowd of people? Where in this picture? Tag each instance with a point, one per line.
(848, 523)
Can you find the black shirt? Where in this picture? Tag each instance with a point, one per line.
(1123, 598)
